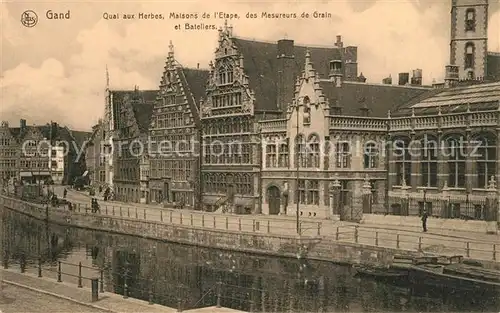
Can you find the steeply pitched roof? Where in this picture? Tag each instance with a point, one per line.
(377, 98)
(197, 81)
(194, 83)
(262, 67)
(493, 68)
(143, 109)
(475, 98)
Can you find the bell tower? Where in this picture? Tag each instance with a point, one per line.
(469, 37)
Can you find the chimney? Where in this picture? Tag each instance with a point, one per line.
(286, 76)
(387, 80)
(336, 72)
(197, 65)
(404, 79)
(339, 43)
(22, 124)
(451, 76)
(416, 79)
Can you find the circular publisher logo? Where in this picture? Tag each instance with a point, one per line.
(29, 18)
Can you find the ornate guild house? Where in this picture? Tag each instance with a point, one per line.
(281, 128)
(175, 135)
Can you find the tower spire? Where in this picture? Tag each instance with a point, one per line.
(107, 77)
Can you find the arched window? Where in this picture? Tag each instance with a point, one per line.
(469, 55)
(370, 155)
(402, 157)
(486, 159)
(300, 151)
(428, 158)
(470, 20)
(456, 162)
(312, 153)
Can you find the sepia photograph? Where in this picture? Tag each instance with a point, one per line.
(165, 156)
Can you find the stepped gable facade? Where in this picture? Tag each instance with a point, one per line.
(250, 81)
(132, 112)
(175, 135)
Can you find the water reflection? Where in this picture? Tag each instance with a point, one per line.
(173, 274)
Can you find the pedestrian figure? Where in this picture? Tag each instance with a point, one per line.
(65, 193)
(425, 215)
(100, 189)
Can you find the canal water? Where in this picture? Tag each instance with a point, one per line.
(172, 274)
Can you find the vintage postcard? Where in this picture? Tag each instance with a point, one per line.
(250, 156)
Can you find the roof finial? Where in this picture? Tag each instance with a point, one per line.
(412, 111)
(308, 56)
(225, 25)
(285, 36)
(171, 47)
(388, 113)
(468, 106)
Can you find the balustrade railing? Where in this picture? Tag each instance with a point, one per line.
(442, 245)
(207, 220)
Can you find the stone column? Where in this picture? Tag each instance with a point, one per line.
(442, 165)
(405, 198)
(491, 209)
(334, 199)
(367, 196)
(284, 199)
(445, 201)
(416, 160)
(469, 164)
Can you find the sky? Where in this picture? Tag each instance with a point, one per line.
(56, 70)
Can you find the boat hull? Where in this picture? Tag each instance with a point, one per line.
(422, 276)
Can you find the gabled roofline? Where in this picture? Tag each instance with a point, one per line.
(294, 43)
(379, 84)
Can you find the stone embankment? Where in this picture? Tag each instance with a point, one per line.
(341, 244)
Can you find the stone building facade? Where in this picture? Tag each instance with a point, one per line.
(9, 154)
(175, 135)
(249, 81)
(330, 136)
(95, 158)
(131, 141)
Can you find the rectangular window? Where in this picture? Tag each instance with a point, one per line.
(343, 155)
(313, 192)
(283, 155)
(302, 191)
(370, 156)
(271, 155)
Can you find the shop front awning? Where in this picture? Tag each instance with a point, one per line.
(26, 174)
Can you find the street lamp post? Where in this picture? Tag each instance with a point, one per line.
(297, 167)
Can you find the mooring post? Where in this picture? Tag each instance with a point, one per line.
(59, 273)
(151, 291)
(39, 267)
(219, 293)
(80, 275)
(22, 262)
(102, 280)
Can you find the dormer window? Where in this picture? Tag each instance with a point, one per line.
(469, 55)
(470, 20)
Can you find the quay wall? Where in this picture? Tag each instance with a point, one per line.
(310, 247)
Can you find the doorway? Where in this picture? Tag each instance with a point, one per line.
(274, 200)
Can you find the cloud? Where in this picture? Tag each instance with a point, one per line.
(69, 87)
